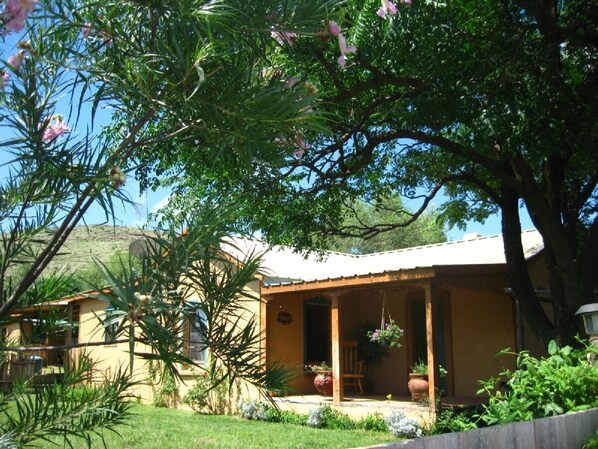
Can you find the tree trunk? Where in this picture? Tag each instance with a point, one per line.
(521, 283)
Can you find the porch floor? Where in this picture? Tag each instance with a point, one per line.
(359, 406)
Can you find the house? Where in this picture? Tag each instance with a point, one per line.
(452, 300)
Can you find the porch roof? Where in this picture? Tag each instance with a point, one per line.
(283, 266)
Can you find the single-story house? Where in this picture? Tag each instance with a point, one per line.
(451, 299)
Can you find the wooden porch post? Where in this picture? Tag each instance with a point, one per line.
(338, 394)
(430, 341)
(263, 329)
(68, 338)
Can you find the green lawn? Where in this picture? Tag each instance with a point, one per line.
(158, 428)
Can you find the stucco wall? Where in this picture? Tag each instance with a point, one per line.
(109, 357)
(285, 341)
(483, 324)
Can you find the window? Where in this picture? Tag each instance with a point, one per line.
(318, 342)
(110, 330)
(196, 348)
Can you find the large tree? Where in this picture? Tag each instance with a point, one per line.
(492, 103)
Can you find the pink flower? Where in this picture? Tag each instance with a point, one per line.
(407, 2)
(334, 28)
(300, 147)
(18, 7)
(388, 7)
(16, 60)
(342, 44)
(4, 79)
(56, 129)
(15, 14)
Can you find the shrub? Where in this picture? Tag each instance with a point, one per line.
(401, 426)
(197, 395)
(374, 422)
(453, 421)
(286, 417)
(253, 410)
(326, 417)
(564, 381)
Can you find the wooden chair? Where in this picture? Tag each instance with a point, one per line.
(352, 367)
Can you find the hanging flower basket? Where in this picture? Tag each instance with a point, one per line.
(388, 335)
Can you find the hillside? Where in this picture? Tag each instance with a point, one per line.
(87, 242)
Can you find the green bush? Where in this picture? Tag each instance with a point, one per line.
(325, 417)
(566, 380)
(285, 417)
(374, 422)
(197, 395)
(449, 421)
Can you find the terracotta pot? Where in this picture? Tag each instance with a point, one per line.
(418, 386)
(323, 383)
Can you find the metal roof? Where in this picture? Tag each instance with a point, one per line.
(282, 265)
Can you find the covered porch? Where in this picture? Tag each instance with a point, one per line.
(454, 317)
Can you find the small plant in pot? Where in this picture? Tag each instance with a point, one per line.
(418, 381)
(323, 379)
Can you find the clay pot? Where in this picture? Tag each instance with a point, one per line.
(323, 383)
(418, 386)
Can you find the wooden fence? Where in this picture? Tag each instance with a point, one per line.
(569, 431)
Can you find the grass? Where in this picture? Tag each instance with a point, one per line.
(159, 428)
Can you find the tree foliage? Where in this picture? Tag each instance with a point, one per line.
(370, 228)
(91, 84)
(493, 104)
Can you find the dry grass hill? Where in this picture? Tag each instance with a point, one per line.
(87, 242)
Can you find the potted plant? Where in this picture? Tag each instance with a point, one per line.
(389, 334)
(323, 379)
(418, 381)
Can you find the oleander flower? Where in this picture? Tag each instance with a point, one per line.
(387, 7)
(56, 128)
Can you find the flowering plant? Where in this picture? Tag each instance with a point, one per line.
(318, 368)
(389, 335)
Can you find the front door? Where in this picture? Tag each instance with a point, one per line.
(418, 342)
(318, 343)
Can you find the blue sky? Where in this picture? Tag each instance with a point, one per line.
(136, 215)
(152, 201)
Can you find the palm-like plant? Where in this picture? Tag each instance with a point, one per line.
(169, 72)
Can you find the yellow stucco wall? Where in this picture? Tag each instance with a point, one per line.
(109, 357)
(479, 325)
(483, 324)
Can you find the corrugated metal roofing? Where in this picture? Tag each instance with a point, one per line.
(283, 265)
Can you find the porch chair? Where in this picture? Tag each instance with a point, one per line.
(352, 367)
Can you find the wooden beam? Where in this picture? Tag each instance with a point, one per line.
(430, 341)
(371, 280)
(338, 394)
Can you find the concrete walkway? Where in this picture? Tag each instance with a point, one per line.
(358, 407)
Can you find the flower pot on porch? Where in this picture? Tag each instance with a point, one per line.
(418, 386)
(323, 382)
